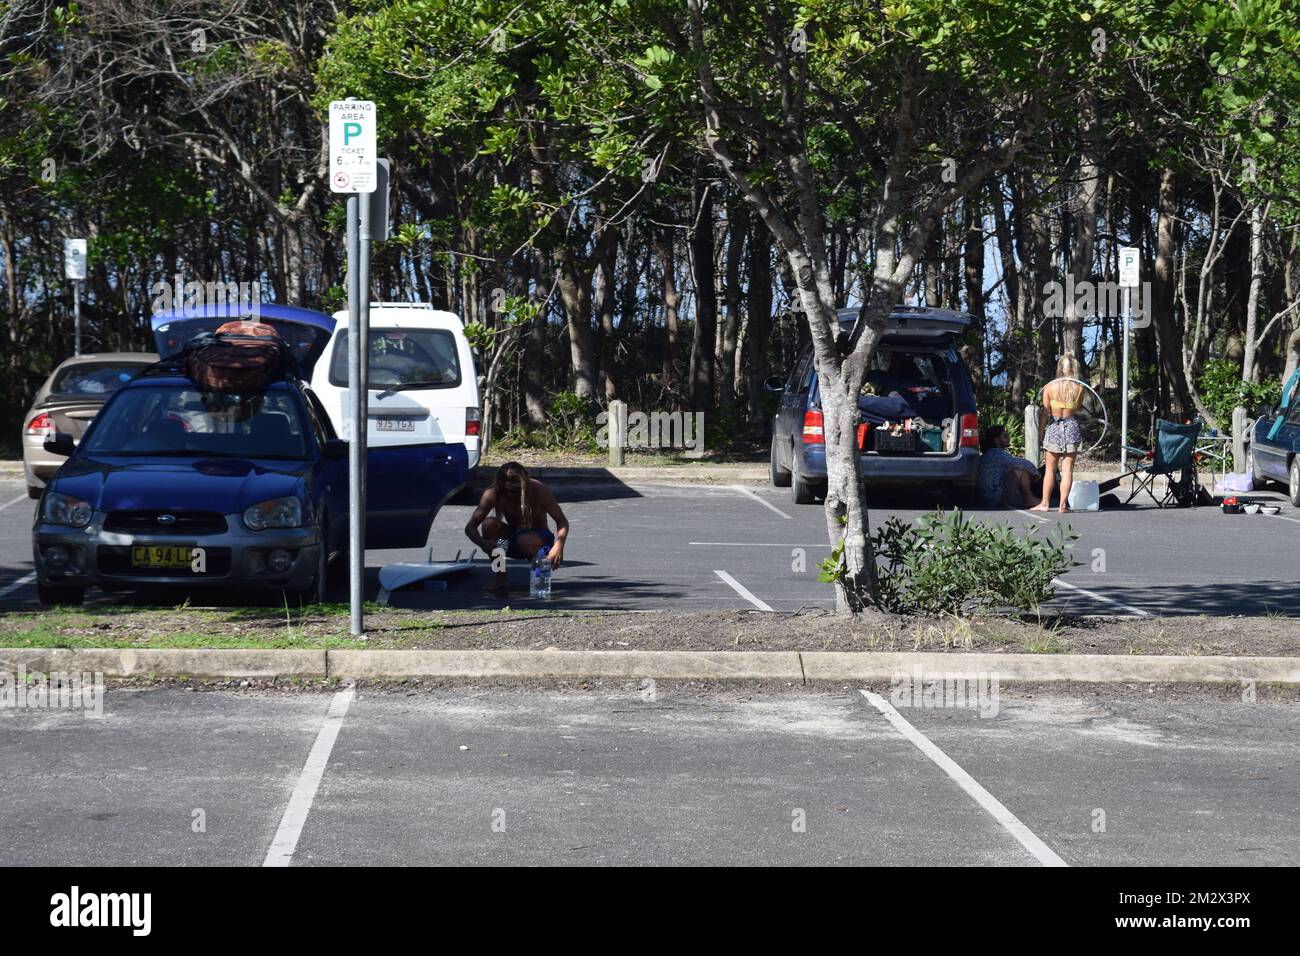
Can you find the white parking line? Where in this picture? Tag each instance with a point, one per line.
(23, 497)
(766, 504)
(757, 544)
(1040, 850)
(742, 590)
(11, 588)
(295, 814)
(1284, 518)
(1101, 597)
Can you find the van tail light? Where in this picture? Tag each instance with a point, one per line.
(864, 431)
(970, 431)
(471, 422)
(41, 425)
(814, 429)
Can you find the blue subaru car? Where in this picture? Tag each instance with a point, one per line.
(919, 425)
(174, 488)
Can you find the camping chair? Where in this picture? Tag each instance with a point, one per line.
(1174, 452)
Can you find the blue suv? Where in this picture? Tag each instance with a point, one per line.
(919, 424)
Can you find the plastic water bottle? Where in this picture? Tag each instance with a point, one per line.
(540, 581)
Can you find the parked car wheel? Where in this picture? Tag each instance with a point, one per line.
(318, 590)
(1294, 483)
(803, 492)
(1259, 482)
(34, 492)
(55, 595)
(780, 476)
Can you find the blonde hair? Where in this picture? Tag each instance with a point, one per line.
(1065, 392)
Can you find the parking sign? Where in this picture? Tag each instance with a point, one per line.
(352, 146)
(1130, 262)
(74, 258)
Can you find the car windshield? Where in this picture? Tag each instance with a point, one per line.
(93, 378)
(179, 420)
(422, 357)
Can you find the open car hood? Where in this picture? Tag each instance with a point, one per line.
(306, 332)
(917, 325)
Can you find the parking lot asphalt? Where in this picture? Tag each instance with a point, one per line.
(685, 775)
(657, 546)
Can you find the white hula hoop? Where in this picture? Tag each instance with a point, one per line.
(1105, 419)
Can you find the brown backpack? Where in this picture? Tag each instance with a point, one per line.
(241, 358)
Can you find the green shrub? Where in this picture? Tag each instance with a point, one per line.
(948, 563)
(1222, 390)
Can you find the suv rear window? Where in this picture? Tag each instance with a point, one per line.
(402, 357)
(93, 378)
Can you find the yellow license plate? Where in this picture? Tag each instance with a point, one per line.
(161, 556)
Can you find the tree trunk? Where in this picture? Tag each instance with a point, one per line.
(973, 272)
(758, 308)
(732, 292)
(663, 244)
(1169, 336)
(703, 354)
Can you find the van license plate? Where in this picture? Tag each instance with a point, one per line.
(395, 425)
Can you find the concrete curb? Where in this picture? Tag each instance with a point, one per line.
(662, 665)
(168, 662)
(700, 665)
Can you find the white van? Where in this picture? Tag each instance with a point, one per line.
(423, 384)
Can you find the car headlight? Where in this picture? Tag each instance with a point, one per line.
(276, 513)
(66, 510)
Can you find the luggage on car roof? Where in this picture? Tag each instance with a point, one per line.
(239, 358)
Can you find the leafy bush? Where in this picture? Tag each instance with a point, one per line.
(948, 563)
(1222, 390)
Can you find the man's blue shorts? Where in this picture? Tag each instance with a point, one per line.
(513, 534)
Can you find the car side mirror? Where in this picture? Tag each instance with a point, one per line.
(335, 448)
(774, 383)
(60, 444)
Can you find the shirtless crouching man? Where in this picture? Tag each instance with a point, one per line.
(521, 505)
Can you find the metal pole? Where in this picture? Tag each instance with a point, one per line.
(356, 453)
(76, 312)
(1123, 414)
(363, 355)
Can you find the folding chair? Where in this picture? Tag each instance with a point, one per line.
(1174, 452)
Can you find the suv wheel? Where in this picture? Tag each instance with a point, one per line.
(33, 491)
(1259, 482)
(58, 595)
(1294, 484)
(780, 476)
(802, 491)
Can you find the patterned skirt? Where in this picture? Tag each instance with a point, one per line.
(1064, 436)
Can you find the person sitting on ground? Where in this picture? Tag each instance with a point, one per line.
(521, 504)
(1003, 478)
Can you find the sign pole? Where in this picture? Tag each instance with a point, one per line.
(356, 454)
(352, 135)
(1130, 269)
(76, 313)
(1123, 414)
(74, 268)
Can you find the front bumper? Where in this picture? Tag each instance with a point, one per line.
(236, 558)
